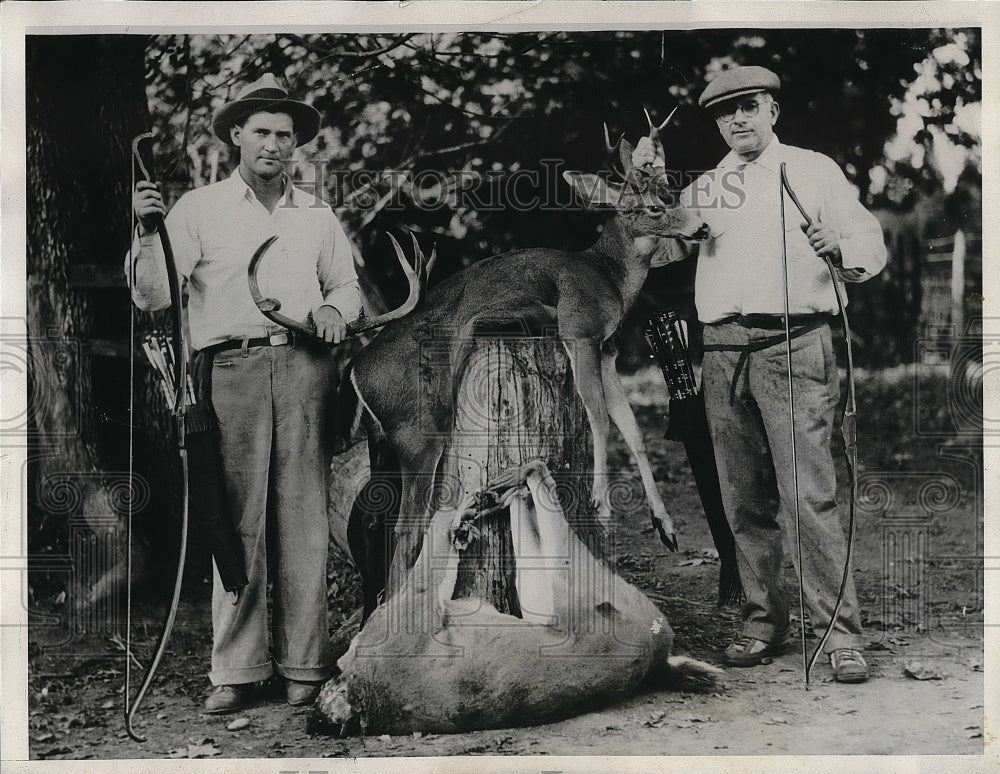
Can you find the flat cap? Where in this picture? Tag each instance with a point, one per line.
(738, 81)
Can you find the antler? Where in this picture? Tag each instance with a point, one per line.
(654, 130)
(658, 181)
(610, 150)
(416, 277)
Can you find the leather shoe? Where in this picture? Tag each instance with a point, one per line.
(229, 698)
(300, 693)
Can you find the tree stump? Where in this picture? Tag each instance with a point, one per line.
(349, 472)
(516, 402)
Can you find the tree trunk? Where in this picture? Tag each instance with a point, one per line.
(516, 402)
(84, 102)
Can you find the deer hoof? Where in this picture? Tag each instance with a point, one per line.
(514, 476)
(668, 539)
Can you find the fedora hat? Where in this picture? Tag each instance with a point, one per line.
(266, 93)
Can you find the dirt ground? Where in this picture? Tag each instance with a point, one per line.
(918, 568)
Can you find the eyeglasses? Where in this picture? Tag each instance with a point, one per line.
(749, 107)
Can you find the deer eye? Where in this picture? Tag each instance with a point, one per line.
(655, 209)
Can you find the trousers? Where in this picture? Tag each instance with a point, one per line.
(273, 406)
(749, 421)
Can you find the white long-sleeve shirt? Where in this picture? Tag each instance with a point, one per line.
(214, 232)
(739, 265)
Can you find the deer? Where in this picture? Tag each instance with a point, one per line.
(580, 295)
(429, 662)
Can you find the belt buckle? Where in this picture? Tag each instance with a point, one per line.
(277, 339)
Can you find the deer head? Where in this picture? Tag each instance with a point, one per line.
(644, 202)
(415, 277)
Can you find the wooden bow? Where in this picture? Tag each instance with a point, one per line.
(180, 408)
(849, 428)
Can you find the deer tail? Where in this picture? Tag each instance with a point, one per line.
(688, 674)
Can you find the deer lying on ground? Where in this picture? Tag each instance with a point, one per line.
(426, 662)
(404, 379)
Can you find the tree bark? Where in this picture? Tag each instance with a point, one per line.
(84, 102)
(516, 402)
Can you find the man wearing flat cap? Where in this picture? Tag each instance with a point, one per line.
(270, 393)
(740, 296)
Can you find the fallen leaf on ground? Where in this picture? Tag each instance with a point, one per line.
(655, 718)
(108, 704)
(918, 670)
(195, 751)
(238, 724)
(202, 750)
(55, 751)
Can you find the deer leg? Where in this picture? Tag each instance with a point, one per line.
(585, 360)
(414, 516)
(368, 536)
(375, 510)
(624, 419)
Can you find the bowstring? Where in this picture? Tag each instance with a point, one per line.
(131, 447)
(791, 418)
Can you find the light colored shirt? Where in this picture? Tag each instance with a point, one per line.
(740, 264)
(214, 231)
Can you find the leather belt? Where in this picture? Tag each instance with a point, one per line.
(274, 340)
(773, 322)
(745, 350)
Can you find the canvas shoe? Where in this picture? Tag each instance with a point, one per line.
(848, 666)
(748, 652)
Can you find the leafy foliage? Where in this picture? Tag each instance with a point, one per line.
(463, 136)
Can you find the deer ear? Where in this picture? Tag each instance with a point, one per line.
(595, 191)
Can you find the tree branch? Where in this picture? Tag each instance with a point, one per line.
(328, 52)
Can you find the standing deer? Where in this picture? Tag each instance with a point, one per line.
(405, 389)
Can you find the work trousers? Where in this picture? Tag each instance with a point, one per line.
(752, 437)
(273, 406)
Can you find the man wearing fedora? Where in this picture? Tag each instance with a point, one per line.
(271, 394)
(740, 296)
